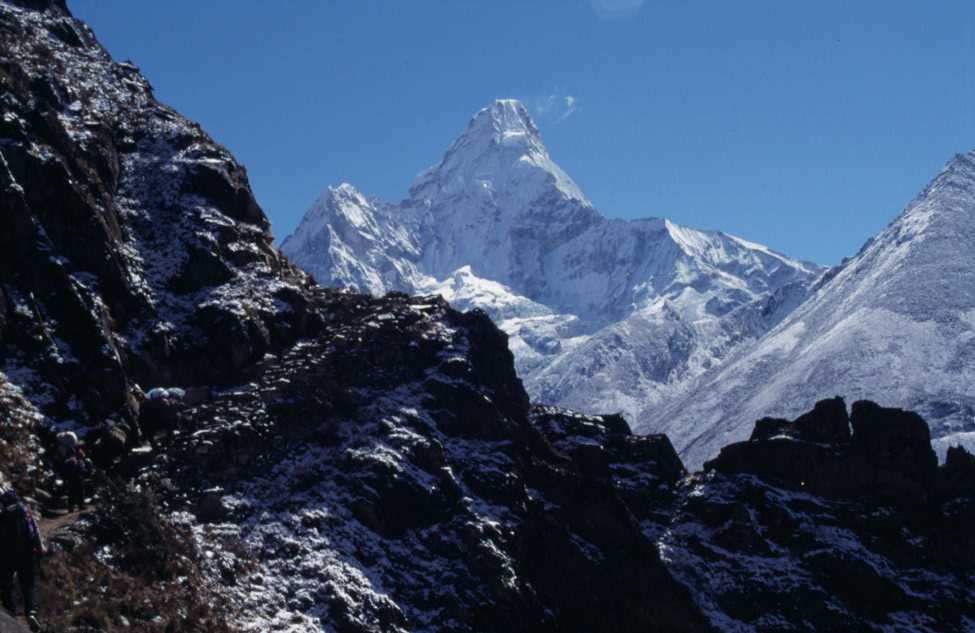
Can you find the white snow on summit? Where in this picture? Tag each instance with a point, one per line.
(603, 315)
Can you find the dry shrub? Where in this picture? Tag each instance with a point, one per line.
(149, 581)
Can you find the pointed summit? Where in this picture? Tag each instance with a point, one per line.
(505, 121)
(501, 151)
(957, 177)
(608, 314)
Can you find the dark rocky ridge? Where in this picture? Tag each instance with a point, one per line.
(133, 249)
(417, 452)
(888, 454)
(845, 531)
(378, 459)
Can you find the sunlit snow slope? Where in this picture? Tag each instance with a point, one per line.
(895, 324)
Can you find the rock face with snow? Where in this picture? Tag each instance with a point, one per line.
(132, 248)
(895, 323)
(845, 529)
(427, 495)
(604, 315)
(388, 475)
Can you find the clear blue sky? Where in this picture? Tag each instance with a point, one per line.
(805, 126)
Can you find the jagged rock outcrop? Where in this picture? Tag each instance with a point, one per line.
(887, 454)
(843, 533)
(765, 545)
(956, 477)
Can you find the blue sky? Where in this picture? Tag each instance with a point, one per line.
(805, 126)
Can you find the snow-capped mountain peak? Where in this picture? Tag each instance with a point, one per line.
(507, 121)
(945, 199)
(602, 314)
(960, 170)
(501, 153)
(348, 201)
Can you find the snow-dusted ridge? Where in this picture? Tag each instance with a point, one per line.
(603, 314)
(895, 323)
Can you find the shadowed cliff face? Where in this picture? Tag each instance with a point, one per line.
(133, 249)
(390, 475)
(374, 464)
(845, 521)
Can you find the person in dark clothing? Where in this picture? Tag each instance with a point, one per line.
(77, 468)
(22, 549)
(73, 466)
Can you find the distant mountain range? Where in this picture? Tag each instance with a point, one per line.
(895, 323)
(604, 315)
(691, 332)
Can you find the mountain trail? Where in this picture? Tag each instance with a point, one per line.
(50, 525)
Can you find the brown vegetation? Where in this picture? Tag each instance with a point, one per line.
(129, 571)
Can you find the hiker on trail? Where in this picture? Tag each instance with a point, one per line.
(66, 441)
(160, 413)
(22, 547)
(74, 467)
(77, 469)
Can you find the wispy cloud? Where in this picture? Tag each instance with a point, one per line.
(610, 9)
(555, 107)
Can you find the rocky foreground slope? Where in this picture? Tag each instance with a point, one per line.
(374, 464)
(426, 494)
(132, 249)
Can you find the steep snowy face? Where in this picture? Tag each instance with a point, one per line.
(491, 200)
(499, 157)
(346, 239)
(895, 324)
(603, 314)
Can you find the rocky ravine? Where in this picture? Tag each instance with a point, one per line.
(374, 464)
